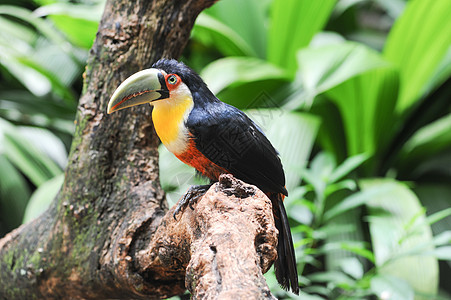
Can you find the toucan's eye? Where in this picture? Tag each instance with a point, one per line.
(172, 79)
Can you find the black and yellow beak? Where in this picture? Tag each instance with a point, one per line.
(143, 87)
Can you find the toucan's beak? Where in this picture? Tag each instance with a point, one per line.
(145, 86)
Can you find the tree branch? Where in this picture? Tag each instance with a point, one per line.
(225, 244)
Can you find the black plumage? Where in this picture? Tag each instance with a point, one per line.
(230, 139)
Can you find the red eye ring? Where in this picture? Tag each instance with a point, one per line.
(172, 81)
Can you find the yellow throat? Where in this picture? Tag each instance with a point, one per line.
(169, 120)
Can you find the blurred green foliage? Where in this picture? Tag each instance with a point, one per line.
(354, 95)
(43, 49)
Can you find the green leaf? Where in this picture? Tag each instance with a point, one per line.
(14, 194)
(25, 108)
(58, 86)
(323, 68)
(347, 242)
(391, 213)
(14, 30)
(78, 21)
(318, 174)
(331, 135)
(254, 94)
(331, 276)
(305, 296)
(441, 253)
(175, 176)
(40, 24)
(361, 251)
(438, 216)
(293, 23)
(37, 166)
(228, 71)
(354, 201)
(300, 210)
(353, 267)
(417, 47)
(427, 142)
(45, 2)
(366, 103)
(42, 197)
(391, 287)
(443, 238)
(435, 196)
(330, 229)
(46, 142)
(346, 184)
(91, 10)
(40, 65)
(315, 290)
(211, 31)
(247, 19)
(441, 73)
(349, 165)
(32, 79)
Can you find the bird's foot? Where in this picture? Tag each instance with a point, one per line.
(191, 196)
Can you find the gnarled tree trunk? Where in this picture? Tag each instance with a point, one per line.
(103, 236)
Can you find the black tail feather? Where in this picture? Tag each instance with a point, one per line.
(285, 265)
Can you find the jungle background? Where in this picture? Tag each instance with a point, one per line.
(354, 94)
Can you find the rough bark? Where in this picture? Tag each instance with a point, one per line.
(111, 202)
(225, 244)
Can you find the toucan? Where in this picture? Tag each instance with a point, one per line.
(213, 137)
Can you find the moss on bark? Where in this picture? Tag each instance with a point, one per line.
(83, 246)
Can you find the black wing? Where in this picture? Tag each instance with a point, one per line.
(227, 137)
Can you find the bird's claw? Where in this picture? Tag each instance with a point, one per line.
(191, 196)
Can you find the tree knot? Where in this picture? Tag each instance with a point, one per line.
(229, 185)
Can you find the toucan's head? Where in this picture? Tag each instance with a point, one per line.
(167, 81)
(173, 89)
